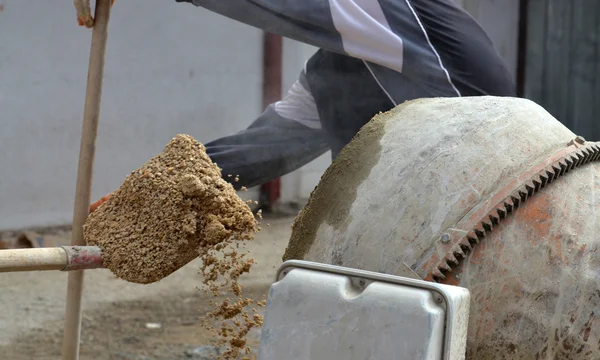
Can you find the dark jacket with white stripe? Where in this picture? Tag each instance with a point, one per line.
(374, 54)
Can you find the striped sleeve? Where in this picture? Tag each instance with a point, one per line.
(299, 104)
(386, 33)
(286, 136)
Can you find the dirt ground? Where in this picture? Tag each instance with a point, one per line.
(123, 321)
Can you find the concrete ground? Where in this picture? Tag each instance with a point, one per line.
(116, 313)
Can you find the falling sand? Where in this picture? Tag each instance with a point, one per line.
(177, 207)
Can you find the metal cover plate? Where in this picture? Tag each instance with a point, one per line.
(322, 312)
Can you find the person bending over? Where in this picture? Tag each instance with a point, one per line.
(372, 56)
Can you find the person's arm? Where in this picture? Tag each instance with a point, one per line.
(286, 136)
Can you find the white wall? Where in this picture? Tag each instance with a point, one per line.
(170, 68)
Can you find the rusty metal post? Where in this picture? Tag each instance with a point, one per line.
(272, 92)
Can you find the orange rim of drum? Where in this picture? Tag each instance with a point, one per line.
(460, 239)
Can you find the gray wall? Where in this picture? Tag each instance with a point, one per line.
(562, 71)
(170, 68)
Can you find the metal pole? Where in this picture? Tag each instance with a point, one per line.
(72, 329)
(272, 91)
(63, 258)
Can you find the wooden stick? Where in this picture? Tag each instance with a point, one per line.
(64, 258)
(33, 259)
(93, 96)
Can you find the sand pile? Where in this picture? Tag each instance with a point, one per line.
(166, 213)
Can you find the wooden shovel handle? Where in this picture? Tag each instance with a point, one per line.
(84, 12)
(64, 258)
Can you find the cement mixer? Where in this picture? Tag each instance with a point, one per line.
(489, 194)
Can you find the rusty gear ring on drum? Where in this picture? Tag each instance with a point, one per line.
(459, 240)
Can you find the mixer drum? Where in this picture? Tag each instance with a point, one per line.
(491, 194)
